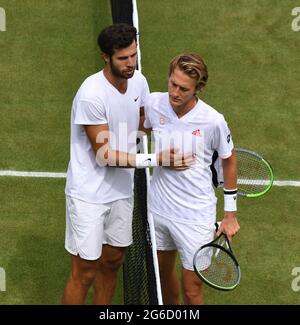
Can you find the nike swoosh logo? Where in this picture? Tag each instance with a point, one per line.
(136, 98)
(147, 162)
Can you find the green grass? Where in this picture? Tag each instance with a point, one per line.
(266, 248)
(32, 240)
(49, 48)
(32, 234)
(253, 64)
(36, 264)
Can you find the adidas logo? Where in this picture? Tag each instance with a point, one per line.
(196, 133)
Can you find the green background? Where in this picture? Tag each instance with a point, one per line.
(253, 60)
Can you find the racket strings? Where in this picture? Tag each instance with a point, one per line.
(254, 166)
(217, 267)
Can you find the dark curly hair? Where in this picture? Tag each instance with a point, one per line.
(116, 36)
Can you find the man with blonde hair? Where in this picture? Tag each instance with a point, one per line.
(182, 201)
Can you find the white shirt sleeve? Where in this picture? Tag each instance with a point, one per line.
(222, 140)
(89, 113)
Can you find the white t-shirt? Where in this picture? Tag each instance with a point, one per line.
(98, 102)
(186, 196)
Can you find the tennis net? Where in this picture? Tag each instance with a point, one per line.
(140, 283)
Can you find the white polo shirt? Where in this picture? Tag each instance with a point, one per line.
(98, 102)
(186, 196)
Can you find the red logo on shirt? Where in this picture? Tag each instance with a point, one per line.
(196, 133)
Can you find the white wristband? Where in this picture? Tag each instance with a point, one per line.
(230, 200)
(146, 160)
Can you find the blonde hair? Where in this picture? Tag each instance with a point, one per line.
(193, 65)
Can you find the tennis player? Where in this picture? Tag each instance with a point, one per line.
(183, 202)
(99, 198)
(105, 117)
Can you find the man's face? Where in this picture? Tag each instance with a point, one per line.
(181, 88)
(123, 61)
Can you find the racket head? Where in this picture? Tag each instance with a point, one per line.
(216, 265)
(255, 174)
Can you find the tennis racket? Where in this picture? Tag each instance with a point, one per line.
(215, 264)
(255, 174)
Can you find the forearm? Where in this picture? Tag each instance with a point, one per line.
(230, 172)
(229, 223)
(230, 184)
(107, 157)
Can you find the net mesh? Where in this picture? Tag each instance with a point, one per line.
(139, 279)
(251, 165)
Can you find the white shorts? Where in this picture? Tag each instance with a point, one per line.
(185, 238)
(88, 226)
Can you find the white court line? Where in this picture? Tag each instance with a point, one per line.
(265, 182)
(63, 175)
(287, 183)
(31, 174)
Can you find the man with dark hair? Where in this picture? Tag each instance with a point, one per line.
(105, 116)
(115, 37)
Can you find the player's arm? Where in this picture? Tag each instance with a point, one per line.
(230, 224)
(106, 156)
(230, 172)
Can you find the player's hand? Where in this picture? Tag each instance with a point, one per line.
(229, 225)
(174, 160)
